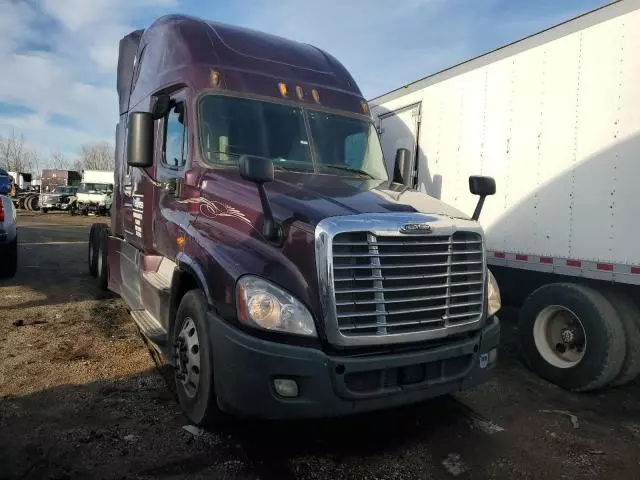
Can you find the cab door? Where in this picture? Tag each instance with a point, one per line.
(171, 218)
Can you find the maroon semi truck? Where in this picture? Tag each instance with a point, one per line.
(261, 245)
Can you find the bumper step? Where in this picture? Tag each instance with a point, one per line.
(150, 327)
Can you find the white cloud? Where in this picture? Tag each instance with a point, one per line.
(59, 59)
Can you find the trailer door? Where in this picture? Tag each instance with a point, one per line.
(400, 129)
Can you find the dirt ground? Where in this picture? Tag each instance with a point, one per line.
(81, 398)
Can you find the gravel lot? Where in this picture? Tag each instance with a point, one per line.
(81, 398)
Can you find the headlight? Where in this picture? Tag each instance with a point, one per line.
(264, 305)
(494, 303)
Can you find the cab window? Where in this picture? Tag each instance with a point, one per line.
(175, 138)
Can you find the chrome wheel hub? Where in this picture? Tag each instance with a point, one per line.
(559, 336)
(187, 357)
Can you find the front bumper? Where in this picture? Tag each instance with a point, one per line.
(329, 385)
(93, 207)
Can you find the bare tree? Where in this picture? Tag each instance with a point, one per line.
(59, 161)
(96, 156)
(14, 153)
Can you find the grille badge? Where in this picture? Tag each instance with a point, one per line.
(415, 228)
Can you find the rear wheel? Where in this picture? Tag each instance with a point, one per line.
(193, 361)
(92, 254)
(102, 264)
(572, 336)
(9, 259)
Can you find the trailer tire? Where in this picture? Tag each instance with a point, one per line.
(198, 402)
(9, 259)
(591, 345)
(629, 315)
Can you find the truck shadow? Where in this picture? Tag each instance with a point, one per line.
(50, 272)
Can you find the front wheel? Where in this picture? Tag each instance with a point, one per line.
(572, 336)
(193, 361)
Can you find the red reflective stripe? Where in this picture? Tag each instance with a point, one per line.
(605, 266)
(635, 269)
(499, 254)
(546, 260)
(522, 257)
(574, 263)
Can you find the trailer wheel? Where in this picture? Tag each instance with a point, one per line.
(629, 315)
(193, 361)
(572, 336)
(9, 259)
(20, 204)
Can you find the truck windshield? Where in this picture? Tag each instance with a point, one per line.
(95, 188)
(343, 145)
(65, 190)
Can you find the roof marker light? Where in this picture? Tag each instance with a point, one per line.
(299, 92)
(283, 89)
(365, 106)
(315, 95)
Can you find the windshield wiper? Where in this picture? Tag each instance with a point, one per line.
(347, 169)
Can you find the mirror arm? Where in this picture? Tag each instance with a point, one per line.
(479, 205)
(270, 230)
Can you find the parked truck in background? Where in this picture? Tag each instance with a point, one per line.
(22, 180)
(555, 119)
(95, 193)
(58, 189)
(262, 248)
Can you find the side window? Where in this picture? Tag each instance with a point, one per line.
(175, 137)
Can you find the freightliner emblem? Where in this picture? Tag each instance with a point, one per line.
(416, 228)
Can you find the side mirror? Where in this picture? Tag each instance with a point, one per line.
(140, 140)
(401, 166)
(256, 169)
(161, 107)
(482, 186)
(260, 171)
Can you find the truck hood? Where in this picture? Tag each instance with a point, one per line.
(311, 198)
(93, 197)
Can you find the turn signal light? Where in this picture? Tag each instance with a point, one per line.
(215, 78)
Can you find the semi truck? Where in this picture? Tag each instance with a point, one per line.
(95, 193)
(58, 189)
(555, 119)
(262, 247)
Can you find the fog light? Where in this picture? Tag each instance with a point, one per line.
(286, 387)
(493, 355)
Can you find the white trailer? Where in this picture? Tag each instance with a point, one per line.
(22, 180)
(555, 119)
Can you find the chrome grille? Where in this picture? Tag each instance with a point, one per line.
(386, 285)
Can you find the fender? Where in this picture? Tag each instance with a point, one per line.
(187, 264)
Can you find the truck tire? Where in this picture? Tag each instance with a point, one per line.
(629, 315)
(102, 264)
(9, 259)
(572, 336)
(31, 203)
(193, 361)
(92, 251)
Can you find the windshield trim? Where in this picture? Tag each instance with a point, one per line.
(304, 107)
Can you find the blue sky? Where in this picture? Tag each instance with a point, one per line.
(57, 86)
